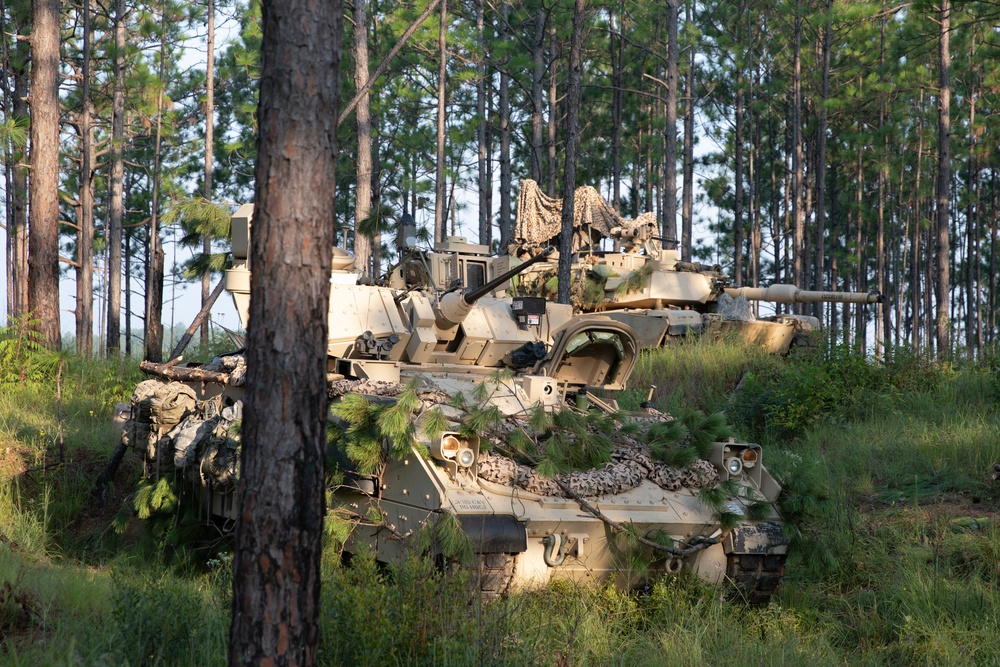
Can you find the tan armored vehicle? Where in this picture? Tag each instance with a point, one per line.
(646, 285)
(490, 391)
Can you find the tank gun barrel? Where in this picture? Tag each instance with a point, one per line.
(454, 307)
(792, 294)
(473, 294)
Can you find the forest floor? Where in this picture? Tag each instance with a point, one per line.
(887, 475)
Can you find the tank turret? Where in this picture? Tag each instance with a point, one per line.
(645, 284)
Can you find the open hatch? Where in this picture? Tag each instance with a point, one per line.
(592, 351)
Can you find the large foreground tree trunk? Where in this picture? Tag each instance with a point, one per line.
(43, 239)
(276, 577)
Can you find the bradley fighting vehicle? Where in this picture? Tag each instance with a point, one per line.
(646, 285)
(510, 382)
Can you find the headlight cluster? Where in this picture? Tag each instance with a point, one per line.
(452, 448)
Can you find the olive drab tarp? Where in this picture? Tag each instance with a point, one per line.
(539, 219)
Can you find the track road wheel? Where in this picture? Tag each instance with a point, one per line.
(755, 577)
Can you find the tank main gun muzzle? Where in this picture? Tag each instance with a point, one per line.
(792, 294)
(454, 307)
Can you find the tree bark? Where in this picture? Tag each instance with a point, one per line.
(798, 215)
(43, 240)
(687, 202)
(572, 146)
(670, 127)
(155, 268)
(18, 232)
(276, 576)
(440, 183)
(209, 148)
(483, 181)
(85, 231)
(363, 165)
(553, 114)
(738, 224)
(943, 181)
(819, 250)
(616, 43)
(505, 219)
(116, 205)
(537, 96)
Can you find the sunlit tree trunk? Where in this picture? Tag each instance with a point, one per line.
(279, 526)
(155, 265)
(363, 163)
(669, 226)
(440, 182)
(85, 231)
(116, 205)
(43, 240)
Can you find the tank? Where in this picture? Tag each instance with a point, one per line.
(467, 408)
(645, 284)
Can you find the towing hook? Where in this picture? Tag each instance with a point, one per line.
(550, 542)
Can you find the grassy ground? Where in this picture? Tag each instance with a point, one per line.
(886, 468)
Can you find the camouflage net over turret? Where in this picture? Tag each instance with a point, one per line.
(539, 219)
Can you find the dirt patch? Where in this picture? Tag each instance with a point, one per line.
(12, 460)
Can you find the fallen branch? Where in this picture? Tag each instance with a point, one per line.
(183, 373)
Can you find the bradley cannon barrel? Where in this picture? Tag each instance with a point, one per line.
(452, 308)
(792, 294)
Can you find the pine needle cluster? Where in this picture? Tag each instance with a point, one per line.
(374, 433)
(681, 442)
(635, 281)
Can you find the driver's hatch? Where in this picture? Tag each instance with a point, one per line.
(591, 351)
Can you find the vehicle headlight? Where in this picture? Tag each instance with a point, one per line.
(734, 466)
(749, 457)
(466, 457)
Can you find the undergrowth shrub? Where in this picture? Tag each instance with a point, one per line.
(779, 402)
(23, 357)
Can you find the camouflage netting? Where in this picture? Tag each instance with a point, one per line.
(631, 463)
(172, 429)
(735, 309)
(539, 219)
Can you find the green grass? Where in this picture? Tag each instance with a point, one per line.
(886, 470)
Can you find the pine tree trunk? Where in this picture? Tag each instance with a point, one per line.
(818, 249)
(440, 183)
(738, 227)
(798, 164)
(116, 205)
(155, 259)
(85, 232)
(616, 45)
(43, 240)
(279, 530)
(943, 286)
(572, 146)
(505, 217)
(687, 201)
(485, 187)
(670, 127)
(18, 234)
(537, 97)
(363, 164)
(553, 113)
(209, 157)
